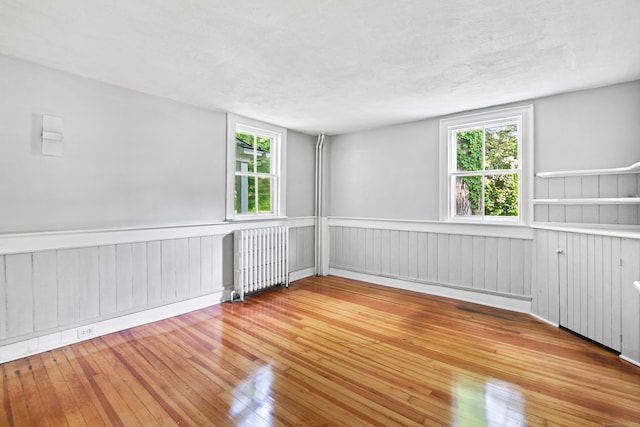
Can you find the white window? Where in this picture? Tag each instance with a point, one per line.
(255, 169)
(487, 166)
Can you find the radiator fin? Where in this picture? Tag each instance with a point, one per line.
(261, 259)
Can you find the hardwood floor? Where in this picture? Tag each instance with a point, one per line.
(328, 351)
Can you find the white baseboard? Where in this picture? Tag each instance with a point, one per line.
(59, 339)
(547, 321)
(301, 274)
(625, 358)
(492, 300)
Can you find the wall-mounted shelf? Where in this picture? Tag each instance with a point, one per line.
(589, 201)
(634, 168)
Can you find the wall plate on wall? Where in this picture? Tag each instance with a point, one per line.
(52, 136)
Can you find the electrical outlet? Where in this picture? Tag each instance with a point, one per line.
(85, 331)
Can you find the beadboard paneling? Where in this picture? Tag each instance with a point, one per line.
(56, 290)
(301, 248)
(489, 264)
(630, 306)
(625, 185)
(579, 287)
(53, 289)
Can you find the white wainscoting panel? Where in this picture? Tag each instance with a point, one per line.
(487, 264)
(46, 294)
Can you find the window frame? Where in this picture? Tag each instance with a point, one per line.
(450, 126)
(278, 173)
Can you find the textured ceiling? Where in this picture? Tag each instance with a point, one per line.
(333, 65)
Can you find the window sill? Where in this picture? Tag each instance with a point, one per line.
(259, 218)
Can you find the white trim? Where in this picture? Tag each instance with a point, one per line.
(464, 229)
(525, 115)
(615, 230)
(627, 359)
(547, 321)
(34, 242)
(491, 300)
(634, 168)
(280, 197)
(70, 336)
(301, 274)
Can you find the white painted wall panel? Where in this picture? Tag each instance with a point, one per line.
(218, 263)
(195, 258)
(385, 249)
(616, 280)
(591, 286)
(358, 244)
(3, 299)
(491, 263)
(516, 259)
(108, 296)
(443, 258)
(68, 294)
(504, 266)
(478, 262)
(630, 307)
(124, 277)
(455, 259)
(89, 282)
(466, 261)
(139, 274)
(439, 258)
(293, 246)
(206, 263)
(528, 267)
(433, 257)
(45, 290)
(19, 298)
(308, 254)
(423, 256)
(182, 268)
(154, 272)
(394, 253)
(413, 255)
(598, 314)
(369, 249)
(583, 325)
(169, 278)
(403, 254)
(376, 243)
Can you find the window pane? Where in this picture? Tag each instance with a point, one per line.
(501, 195)
(469, 150)
(244, 152)
(501, 147)
(264, 195)
(469, 195)
(263, 151)
(245, 195)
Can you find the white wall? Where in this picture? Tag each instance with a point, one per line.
(590, 129)
(392, 172)
(300, 174)
(129, 159)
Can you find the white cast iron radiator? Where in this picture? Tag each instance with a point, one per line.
(261, 259)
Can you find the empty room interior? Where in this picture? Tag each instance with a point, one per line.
(261, 213)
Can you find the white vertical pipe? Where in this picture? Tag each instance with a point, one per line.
(318, 200)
